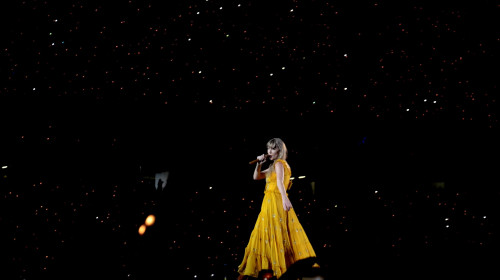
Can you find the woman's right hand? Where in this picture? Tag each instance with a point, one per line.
(262, 158)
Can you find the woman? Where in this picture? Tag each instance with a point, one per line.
(278, 239)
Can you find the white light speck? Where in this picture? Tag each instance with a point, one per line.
(425, 100)
(434, 101)
(271, 74)
(345, 55)
(407, 110)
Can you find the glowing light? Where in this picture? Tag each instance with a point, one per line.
(150, 220)
(4, 167)
(142, 229)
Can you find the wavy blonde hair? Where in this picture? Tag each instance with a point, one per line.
(283, 151)
(278, 143)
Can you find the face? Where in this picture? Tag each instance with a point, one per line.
(273, 152)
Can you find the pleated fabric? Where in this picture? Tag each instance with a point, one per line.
(278, 240)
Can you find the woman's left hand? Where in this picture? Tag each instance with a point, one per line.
(287, 205)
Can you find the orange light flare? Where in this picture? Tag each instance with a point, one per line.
(150, 220)
(142, 229)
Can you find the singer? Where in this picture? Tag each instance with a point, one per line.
(278, 239)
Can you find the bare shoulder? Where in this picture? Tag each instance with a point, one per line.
(283, 163)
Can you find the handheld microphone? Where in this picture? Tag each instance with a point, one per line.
(256, 160)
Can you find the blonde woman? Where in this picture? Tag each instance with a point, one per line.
(278, 239)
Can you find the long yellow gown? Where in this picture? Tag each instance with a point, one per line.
(278, 239)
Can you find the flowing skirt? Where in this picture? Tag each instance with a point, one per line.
(277, 240)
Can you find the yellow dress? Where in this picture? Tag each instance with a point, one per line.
(278, 239)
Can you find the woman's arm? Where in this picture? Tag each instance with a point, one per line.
(280, 177)
(257, 173)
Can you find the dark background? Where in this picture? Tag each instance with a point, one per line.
(388, 108)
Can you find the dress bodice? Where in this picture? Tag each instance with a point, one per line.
(271, 181)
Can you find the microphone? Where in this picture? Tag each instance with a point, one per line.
(256, 160)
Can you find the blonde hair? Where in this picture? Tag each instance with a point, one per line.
(278, 143)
